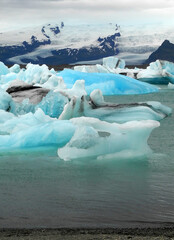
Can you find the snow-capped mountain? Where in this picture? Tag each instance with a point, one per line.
(54, 44)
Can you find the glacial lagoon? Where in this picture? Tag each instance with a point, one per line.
(37, 189)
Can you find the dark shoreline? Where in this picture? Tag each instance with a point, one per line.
(79, 233)
(71, 66)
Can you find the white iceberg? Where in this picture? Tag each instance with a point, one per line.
(98, 139)
(110, 65)
(113, 62)
(158, 72)
(35, 74)
(171, 85)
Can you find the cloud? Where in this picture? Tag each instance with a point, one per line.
(32, 11)
(119, 5)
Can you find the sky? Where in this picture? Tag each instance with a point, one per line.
(20, 13)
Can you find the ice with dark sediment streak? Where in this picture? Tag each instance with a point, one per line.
(112, 112)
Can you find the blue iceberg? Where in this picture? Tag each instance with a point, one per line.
(109, 84)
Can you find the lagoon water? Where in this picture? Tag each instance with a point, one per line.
(39, 190)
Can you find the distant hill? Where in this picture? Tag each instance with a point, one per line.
(53, 44)
(164, 52)
(58, 43)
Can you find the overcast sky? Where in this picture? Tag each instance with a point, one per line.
(19, 13)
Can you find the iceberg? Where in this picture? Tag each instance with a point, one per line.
(110, 112)
(53, 83)
(3, 69)
(171, 86)
(33, 130)
(35, 74)
(159, 72)
(109, 84)
(15, 68)
(52, 104)
(113, 62)
(8, 78)
(110, 65)
(77, 138)
(99, 139)
(5, 100)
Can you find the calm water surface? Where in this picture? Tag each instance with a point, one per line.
(39, 190)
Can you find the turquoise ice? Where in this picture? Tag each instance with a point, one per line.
(109, 84)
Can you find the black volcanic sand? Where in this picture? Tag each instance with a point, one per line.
(88, 234)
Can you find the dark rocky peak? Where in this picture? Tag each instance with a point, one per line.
(55, 30)
(62, 24)
(164, 52)
(43, 31)
(166, 43)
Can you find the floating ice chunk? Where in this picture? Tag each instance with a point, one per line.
(15, 68)
(92, 69)
(12, 123)
(109, 84)
(111, 112)
(95, 138)
(5, 100)
(158, 72)
(17, 85)
(33, 130)
(3, 69)
(53, 71)
(20, 91)
(97, 98)
(110, 65)
(5, 116)
(113, 62)
(20, 108)
(160, 108)
(8, 78)
(171, 85)
(77, 90)
(54, 82)
(35, 74)
(53, 104)
(74, 108)
(54, 133)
